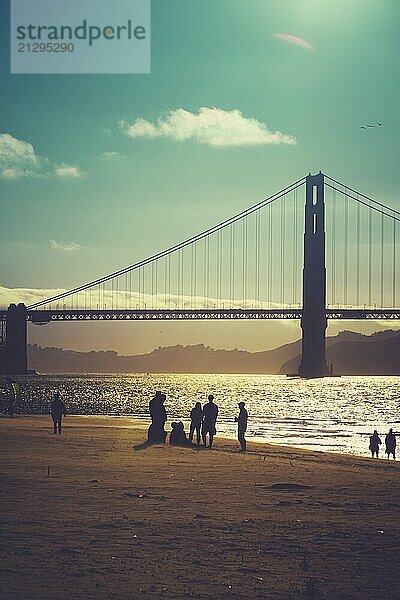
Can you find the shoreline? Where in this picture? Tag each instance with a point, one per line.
(125, 421)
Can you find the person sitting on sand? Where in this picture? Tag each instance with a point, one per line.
(374, 443)
(196, 415)
(156, 433)
(210, 414)
(57, 411)
(390, 443)
(177, 436)
(241, 420)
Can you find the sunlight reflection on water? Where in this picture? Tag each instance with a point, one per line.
(331, 414)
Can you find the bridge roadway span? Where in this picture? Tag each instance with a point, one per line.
(51, 316)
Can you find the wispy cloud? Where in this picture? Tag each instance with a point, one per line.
(211, 126)
(293, 39)
(19, 159)
(65, 170)
(64, 246)
(111, 155)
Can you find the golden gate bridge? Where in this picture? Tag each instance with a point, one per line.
(336, 257)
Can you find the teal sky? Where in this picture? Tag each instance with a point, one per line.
(208, 53)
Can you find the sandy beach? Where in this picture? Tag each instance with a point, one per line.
(84, 515)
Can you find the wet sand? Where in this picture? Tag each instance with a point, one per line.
(83, 515)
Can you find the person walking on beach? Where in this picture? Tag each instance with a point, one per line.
(374, 443)
(210, 414)
(156, 433)
(390, 443)
(241, 420)
(57, 411)
(196, 415)
(13, 397)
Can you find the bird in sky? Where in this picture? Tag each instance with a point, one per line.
(367, 126)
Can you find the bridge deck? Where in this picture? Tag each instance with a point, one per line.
(47, 316)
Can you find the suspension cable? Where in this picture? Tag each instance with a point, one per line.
(174, 248)
(386, 214)
(349, 189)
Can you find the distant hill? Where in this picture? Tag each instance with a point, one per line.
(349, 352)
(357, 354)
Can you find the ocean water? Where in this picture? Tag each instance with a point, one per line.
(331, 414)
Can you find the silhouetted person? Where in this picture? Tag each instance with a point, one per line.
(196, 415)
(390, 443)
(374, 443)
(177, 436)
(156, 433)
(241, 420)
(13, 397)
(57, 411)
(210, 414)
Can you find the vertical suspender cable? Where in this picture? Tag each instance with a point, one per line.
(271, 261)
(156, 283)
(282, 201)
(182, 278)
(152, 286)
(217, 274)
(382, 264)
(204, 271)
(267, 254)
(283, 241)
(130, 289)
(221, 259)
(370, 257)
(258, 257)
(192, 275)
(294, 263)
(358, 253)
(333, 248)
(144, 287)
(346, 242)
(394, 266)
(208, 269)
(117, 297)
(231, 264)
(195, 270)
(244, 260)
(165, 282)
(169, 280)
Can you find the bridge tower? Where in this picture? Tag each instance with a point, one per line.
(16, 362)
(313, 322)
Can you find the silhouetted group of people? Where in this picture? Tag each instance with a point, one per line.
(390, 444)
(202, 424)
